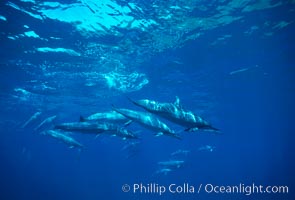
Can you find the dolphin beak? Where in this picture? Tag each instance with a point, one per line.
(213, 128)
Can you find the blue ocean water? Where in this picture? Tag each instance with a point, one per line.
(229, 62)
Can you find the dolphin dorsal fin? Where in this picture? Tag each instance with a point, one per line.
(177, 102)
(82, 119)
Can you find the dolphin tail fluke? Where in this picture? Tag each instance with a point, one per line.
(43, 133)
(80, 151)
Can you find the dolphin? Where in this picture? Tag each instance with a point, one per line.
(164, 171)
(97, 128)
(110, 116)
(84, 127)
(45, 121)
(149, 121)
(33, 117)
(175, 113)
(180, 152)
(131, 149)
(130, 145)
(64, 138)
(207, 148)
(171, 163)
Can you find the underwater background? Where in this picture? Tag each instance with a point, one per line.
(229, 61)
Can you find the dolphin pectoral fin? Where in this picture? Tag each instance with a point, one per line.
(159, 134)
(71, 147)
(136, 133)
(176, 136)
(127, 123)
(97, 135)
